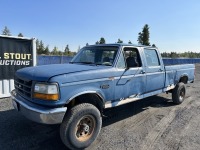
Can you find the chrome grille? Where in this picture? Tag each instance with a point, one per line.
(23, 87)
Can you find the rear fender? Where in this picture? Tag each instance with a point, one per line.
(183, 78)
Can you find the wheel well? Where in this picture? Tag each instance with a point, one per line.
(90, 98)
(184, 79)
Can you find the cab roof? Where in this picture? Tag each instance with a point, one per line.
(120, 44)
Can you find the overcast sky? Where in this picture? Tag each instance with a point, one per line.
(174, 24)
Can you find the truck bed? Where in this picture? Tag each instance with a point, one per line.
(175, 72)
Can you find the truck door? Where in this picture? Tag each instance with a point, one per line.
(155, 74)
(131, 80)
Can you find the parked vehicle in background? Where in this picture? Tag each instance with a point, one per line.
(98, 77)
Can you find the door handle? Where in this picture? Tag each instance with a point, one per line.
(142, 72)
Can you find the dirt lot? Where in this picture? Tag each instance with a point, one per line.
(149, 124)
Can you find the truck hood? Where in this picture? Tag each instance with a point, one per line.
(44, 72)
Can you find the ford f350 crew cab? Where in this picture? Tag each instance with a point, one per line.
(98, 77)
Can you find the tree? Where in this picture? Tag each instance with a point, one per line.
(97, 42)
(140, 38)
(46, 50)
(55, 51)
(119, 41)
(66, 51)
(102, 41)
(153, 45)
(87, 44)
(6, 31)
(40, 47)
(143, 37)
(129, 42)
(174, 55)
(20, 35)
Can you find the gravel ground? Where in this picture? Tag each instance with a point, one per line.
(149, 124)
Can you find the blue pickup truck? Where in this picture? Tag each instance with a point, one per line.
(98, 77)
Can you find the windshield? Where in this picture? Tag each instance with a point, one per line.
(97, 55)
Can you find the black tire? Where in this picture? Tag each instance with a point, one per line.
(178, 93)
(81, 126)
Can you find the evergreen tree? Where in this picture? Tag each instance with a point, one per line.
(46, 50)
(184, 55)
(40, 49)
(119, 41)
(129, 42)
(87, 44)
(102, 41)
(174, 55)
(6, 31)
(20, 35)
(153, 45)
(140, 38)
(55, 51)
(143, 37)
(97, 42)
(66, 51)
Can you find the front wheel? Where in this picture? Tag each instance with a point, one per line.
(178, 93)
(81, 125)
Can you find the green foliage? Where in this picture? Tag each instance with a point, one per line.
(55, 51)
(20, 35)
(6, 31)
(140, 38)
(143, 37)
(40, 47)
(181, 55)
(174, 55)
(46, 50)
(119, 41)
(66, 51)
(153, 45)
(102, 41)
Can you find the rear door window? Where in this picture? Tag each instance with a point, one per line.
(151, 57)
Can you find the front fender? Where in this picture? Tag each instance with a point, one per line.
(70, 95)
(86, 92)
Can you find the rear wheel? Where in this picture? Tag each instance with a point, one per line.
(178, 93)
(80, 126)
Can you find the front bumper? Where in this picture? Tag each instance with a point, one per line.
(37, 113)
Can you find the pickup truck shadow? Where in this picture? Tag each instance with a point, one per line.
(116, 114)
(17, 132)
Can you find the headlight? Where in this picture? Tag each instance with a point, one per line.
(46, 91)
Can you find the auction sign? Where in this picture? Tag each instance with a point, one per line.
(15, 53)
